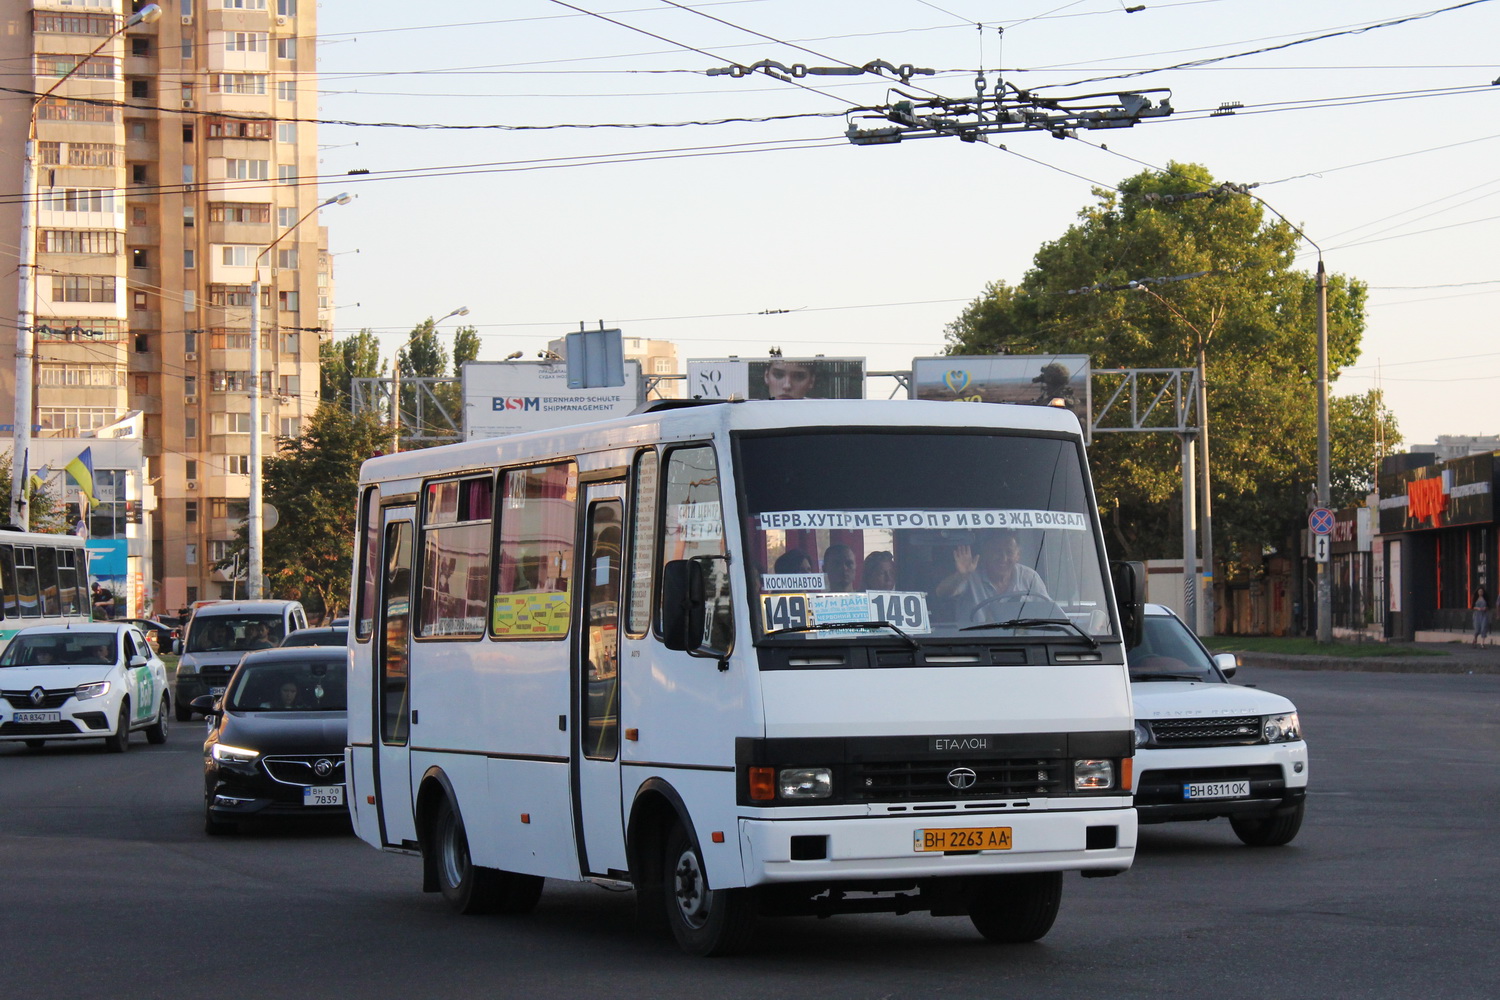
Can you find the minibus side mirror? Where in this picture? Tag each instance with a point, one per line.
(683, 604)
(177, 647)
(1129, 580)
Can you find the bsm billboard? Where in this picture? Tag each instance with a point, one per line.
(512, 397)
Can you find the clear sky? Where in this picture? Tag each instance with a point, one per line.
(730, 239)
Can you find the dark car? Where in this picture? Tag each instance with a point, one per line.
(162, 633)
(276, 742)
(325, 635)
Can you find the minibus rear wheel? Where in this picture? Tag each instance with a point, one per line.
(1013, 909)
(470, 888)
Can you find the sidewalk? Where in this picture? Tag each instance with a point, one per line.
(1453, 657)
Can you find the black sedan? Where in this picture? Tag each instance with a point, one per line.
(323, 635)
(276, 742)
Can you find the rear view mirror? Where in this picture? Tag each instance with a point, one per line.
(1228, 663)
(683, 604)
(1129, 579)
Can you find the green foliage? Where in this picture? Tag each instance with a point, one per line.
(1253, 315)
(313, 483)
(355, 356)
(48, 511)
(465, 347)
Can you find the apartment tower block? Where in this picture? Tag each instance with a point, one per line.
(165, 166)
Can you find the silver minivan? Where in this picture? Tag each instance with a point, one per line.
(218, 635)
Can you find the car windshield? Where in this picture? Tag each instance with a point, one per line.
(947, 534)
(1168, 651)
(229, 633)
(72, 648)
(288, 686)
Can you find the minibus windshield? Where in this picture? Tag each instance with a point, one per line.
(922, 534)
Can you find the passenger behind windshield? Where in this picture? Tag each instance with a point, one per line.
(289, 687)
(980, 579)
(225, 633)
(879, 572)
(838, 569)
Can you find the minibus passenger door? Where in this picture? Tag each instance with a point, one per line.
(597, 667)
(392, 671)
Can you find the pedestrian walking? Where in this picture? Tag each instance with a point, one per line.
(1481, 610)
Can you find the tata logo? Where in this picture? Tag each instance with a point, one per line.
(522, 403)
(962, 778)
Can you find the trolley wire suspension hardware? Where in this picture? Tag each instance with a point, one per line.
(973, 119)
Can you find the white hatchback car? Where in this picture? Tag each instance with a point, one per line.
(1206, 748)
(78, 682)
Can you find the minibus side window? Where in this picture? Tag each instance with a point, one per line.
(693, 528)
(31, 605)
(369, 556)
(534, 556)
(8, 582)
(67, 581)
(642, 543)
(455, 557)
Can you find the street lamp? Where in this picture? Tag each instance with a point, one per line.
(396, 383)
(254, 529)
(20, 513)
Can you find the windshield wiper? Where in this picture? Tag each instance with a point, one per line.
(1166, 677)
(1036, 623)
(845, 627)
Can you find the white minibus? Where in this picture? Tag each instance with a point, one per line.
(750, 659)
(43, 581)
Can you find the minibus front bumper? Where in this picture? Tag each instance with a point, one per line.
(846, 848)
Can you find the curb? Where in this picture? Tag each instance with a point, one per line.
(1370, 664)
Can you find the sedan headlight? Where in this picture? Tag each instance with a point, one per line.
(805, 782)
(224, 753)
(1283, 728)
(98, 689)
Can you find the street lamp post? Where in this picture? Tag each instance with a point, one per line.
(396, 383)
(20, 513)
(254, 523)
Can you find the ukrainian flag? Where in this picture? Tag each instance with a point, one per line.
(82, 471)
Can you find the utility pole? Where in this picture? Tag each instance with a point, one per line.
(1325, 604)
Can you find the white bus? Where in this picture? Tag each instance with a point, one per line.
(43, 581)
(751, 659)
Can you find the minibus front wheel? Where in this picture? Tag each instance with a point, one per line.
(704, 921)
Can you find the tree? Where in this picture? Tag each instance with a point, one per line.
(1255, 318)
(48, 512)
(343, 361)
(313, 483)
(465, 347)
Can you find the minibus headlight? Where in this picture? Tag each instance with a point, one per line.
(1283, 728)
(1093, 775)
(98, 689)
(805, 783)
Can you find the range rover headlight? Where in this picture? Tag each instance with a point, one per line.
(1284, 728)
(98, 689)
(805, 782)
(1142, 734)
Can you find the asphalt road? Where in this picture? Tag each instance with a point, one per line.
(108, 887)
